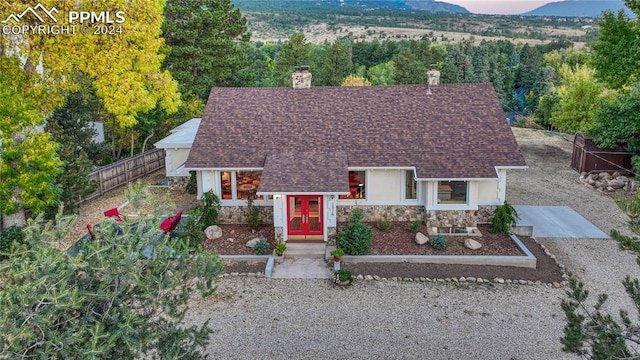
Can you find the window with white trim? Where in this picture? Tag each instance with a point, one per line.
(410, 186)
(452, 192)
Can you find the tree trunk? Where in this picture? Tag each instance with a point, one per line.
(144, 144)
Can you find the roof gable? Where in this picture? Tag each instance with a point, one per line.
(457, 131)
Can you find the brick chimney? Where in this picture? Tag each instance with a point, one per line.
(434, 76)
(301, 78)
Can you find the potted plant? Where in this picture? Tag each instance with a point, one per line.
(337, 253)
(280, 249)
(342, 277)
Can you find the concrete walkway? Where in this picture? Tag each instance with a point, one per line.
(301, 268)
(557, 222)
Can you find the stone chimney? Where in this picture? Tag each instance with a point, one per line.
(434, 76)
(301, 77)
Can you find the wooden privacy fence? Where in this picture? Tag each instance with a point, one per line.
(588, 157)
(121, 172)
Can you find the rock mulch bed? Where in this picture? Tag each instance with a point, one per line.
(548, 272)
(609, 182)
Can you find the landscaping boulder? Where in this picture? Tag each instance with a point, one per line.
(472, 244)
(252, 243)
(604, 176)
(421, 238)
(634, 185)
(213, 232)
(616, 183)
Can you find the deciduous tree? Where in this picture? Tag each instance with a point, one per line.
(578, 96)
(617, 51)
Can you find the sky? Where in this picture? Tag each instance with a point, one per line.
(503, 7)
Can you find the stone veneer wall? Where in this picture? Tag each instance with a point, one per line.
(178, 182)
(449, 218)
(235, 214)
(376, 212)
(433, 218)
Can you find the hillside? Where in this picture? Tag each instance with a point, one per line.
(580, 8)
(435, 6)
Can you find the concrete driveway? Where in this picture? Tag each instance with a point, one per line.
(557, 222)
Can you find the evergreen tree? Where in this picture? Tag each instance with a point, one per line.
(69, 127)
(294, 52)
(205, 38)
(337, 63)
(121, 296)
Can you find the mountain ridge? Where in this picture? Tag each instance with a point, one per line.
(578, 8)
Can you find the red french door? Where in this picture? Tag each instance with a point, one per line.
(305, 217)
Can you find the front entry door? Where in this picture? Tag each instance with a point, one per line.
(305, 217)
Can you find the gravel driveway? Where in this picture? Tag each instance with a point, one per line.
(307, 319)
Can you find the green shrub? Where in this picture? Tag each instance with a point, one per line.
(438, 242)
(355, 237)
(10, 237)
(262, 247)
(630, 206)
(189, 235)
(192, 185)
(503, 218)
(342, 275)
(415, 226)
(253, 215)
(210, 209)
(384, 224)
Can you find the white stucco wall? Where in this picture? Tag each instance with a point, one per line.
(488, 192)
(173, 159)
(384, 185)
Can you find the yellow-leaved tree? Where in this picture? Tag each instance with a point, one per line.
(355, 80)
(118, 48)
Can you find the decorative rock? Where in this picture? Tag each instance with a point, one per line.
(230, 240)
(499, 280)
(462, 279)
(423, 279)
(213, 232)
(471, 279)
(508, 281)
(421, 238)
(616, 183)
(615, 174)
(428, 279)
(556, 285)
(472, 244)
(235, 274)
(359, 277)
(368, 277)
(522, 282)
(634, 185)
(604, 175)
(252, 243)
(394, 278)
(376, 277)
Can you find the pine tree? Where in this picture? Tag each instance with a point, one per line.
(205, 38)
(294, 52)
(121, 296)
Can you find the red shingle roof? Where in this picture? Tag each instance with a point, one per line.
(457, 132)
